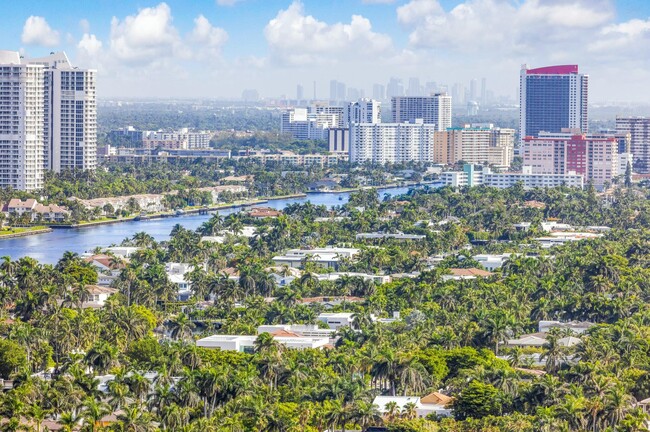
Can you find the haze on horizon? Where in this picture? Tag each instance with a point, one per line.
(216, 49)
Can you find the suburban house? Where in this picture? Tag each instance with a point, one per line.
(264, 212)
(309, 330)
(435, 403)
(122, 251)
(108, 267)
(539, 339)
(328, 257)
(577, 327)
(465, 273)
(336, 320)
(492, 261)
(395, 236)
(246, 343)
(38, 212)
(19, 207)
(97, 296)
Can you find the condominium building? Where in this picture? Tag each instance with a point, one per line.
(70, 114)
(307, 124)
(339, 140)
(639, 130)
(182, 139)
(596, 158)
(476, 143)
(434, 110)
(471, 176)
(22, 123)
(363, 111)
(391, 142)
(552, 98)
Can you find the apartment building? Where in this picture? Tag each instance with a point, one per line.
(639, 130)
(595, 158)
(392, 142)
(435, 109)
(22, 122)
(477, 143)
(183, 139)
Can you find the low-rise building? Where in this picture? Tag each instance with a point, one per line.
(383, 236)
(336, 320)
(97, 296)
(328, 257)
(246, 343)
(465, 273)
(435, 403)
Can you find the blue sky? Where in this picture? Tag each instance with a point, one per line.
(206, 48)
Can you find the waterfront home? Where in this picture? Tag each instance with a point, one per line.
(328, 257)
(465, 273)
(263, 212)
(246, 343)
(434, 403)
(383, 236)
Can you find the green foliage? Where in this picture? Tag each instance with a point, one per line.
(477, 400)
(12, 358)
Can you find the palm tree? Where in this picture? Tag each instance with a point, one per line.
(102, 356)
(92, 412)
(365, 414)
(409, 411)
(181, 327)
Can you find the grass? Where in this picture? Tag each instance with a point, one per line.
(18, 230)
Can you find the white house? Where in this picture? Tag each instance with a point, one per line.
(492, 261)
(328, 257)
(309, 330)
(336, 320)
(123, 251)
(97, 296)
(434, 403)
(246, 343)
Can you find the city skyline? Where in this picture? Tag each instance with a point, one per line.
(221, 48)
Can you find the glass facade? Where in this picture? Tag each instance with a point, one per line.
(547, 103)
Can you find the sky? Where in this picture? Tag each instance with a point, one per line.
(218, 48)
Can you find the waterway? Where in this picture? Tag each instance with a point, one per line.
(49, 247)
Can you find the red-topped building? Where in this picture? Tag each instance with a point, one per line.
(552, 98)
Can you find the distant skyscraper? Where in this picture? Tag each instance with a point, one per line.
(334, 88)
(430, 88)
(414, 87)
(458, 93)
(394, 88)
(434, 109)
(299, 93)
(552, 98)
(473, 90)
(250, 95)
(483, 91)
(378, 92)
(340, 92)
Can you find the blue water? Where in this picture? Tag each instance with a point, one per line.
(49, 247)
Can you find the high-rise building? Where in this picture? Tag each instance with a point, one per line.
(473, 90)
(391, 142)
(483, 91)
(477, 143)
(363, 111)
(434, 109)
(594, 157)
(414, 87)
(70, 132)
(394, 88)
(639, 130)
(300, 93)
(22, 122)
(334, 88)
(49, 118)
(378, 92)
(551, 99)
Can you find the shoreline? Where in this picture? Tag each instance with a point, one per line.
(186, 211)
(25, 233)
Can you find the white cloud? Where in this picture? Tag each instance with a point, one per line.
(497, 26)
(296, 38)
(620, 39)
(227, 2)
(146, 37)
(377, 1)
(37, 31)
(89, 46)
(84, 25)
(205, 34)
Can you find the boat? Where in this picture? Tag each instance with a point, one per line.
(179, 213)
(340, 198)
